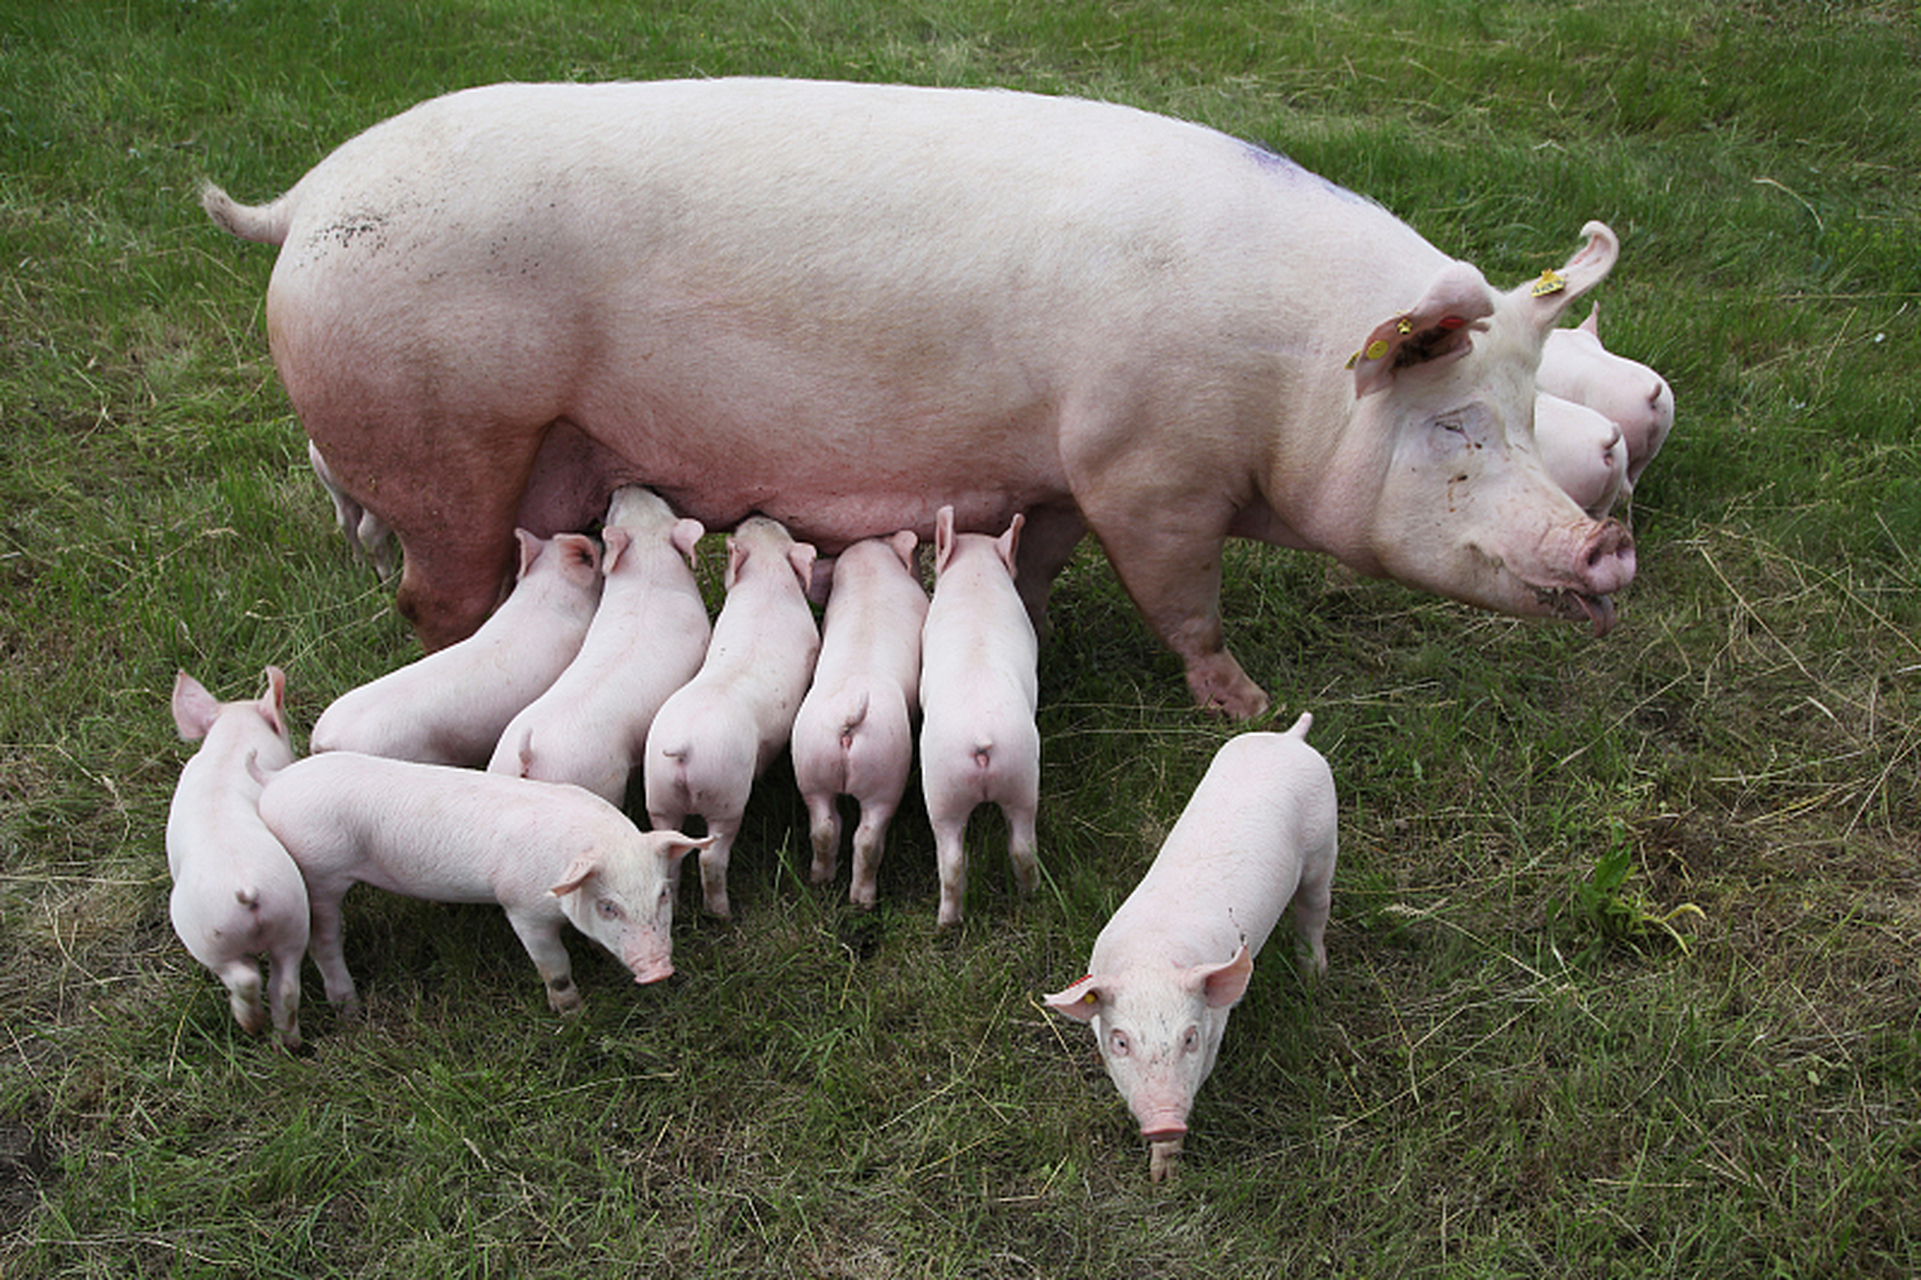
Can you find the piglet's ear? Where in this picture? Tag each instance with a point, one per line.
(736, 557)
(529, 552)
(686, 537)
(943, 537)
(1080, 1002)
(1009, 543)
(1223, 985)
(673, 846)
(273, 701)
(903, 544)
(801, 557)
(577, 873)
(616, 540)
(1438, 328)
(194, 709)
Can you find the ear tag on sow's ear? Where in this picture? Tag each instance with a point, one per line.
(1551, 281)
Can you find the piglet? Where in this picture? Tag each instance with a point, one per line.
(714, 736)
(236, 893)
(367, 534)
(979, 686)
(646, 640)
(1575, 366)
(854, 734)
(1177, 955)
(546, 852)
(1583, 452)
(451, 706)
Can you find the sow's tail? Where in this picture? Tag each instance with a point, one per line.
(266, 224)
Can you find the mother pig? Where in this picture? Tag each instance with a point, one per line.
(845, 306)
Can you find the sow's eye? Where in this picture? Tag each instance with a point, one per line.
(1117, 1044)
(1191, 1042)
(609, 909)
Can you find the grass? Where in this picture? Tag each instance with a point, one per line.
(1506, 1071)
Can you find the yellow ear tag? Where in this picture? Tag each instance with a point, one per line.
(1377, 348)
(1404, 326)
(1551, 281)
(1090, 998)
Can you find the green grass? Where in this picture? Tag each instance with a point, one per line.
(1508, 1069)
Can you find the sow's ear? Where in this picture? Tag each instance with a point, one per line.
(1080, 1002)
(1438, 327)
(1223, 985)
(1550, 295)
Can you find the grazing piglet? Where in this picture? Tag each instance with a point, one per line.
(647, 639)
(1177, 955)
(854, 734)
(236, 894)
(978, 689)
(451, 706)
(546, 852)
(1583, 452)
(1575, 366)
(712, 738)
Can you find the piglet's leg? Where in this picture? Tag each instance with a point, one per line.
(1021, 845)
(823, 823)
(950, 856)
(540, 934)
(713, 865)
(870, 839)
(283, 993)
(324, 944)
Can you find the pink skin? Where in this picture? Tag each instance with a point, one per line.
(1575, 366)
(236, 894)
(1107, 320)
(450, 707)
(854, 734)
(1583, 452)
(715, 735)
(647, 639)
(1260, 830)
(547, 853)
(978, 690)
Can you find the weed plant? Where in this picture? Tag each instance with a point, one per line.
(1527, 1058)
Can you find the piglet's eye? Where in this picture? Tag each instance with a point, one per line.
(608, 908)
(1117, 1043)
(1191, 1041)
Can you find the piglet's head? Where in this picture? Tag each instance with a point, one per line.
(1158, 1033)
(622, 896)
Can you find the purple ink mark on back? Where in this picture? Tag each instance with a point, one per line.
(1283, 167)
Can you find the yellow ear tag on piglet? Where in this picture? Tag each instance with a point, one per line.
(1551, 281)
(1377, 348)
(1404, 326)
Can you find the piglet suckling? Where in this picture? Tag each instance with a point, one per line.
(1583, 452)
(236, 893)
(854, 735)
(1575, 366)
(451, 706)
(714, 735)
(1177, 955)
(979, 687)
(647, 639)
(546, 852)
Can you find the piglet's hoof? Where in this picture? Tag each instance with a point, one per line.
(1162, 1158)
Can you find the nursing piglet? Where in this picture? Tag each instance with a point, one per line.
(1583, 452)
(646, 640)
(714, 736)
(236, 894)
(451, 706)
(546, 852)
(1177, 955)
(854, 734)
(979, 686)
(1575, 366)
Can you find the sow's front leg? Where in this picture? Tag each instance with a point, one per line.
(1171, 567)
